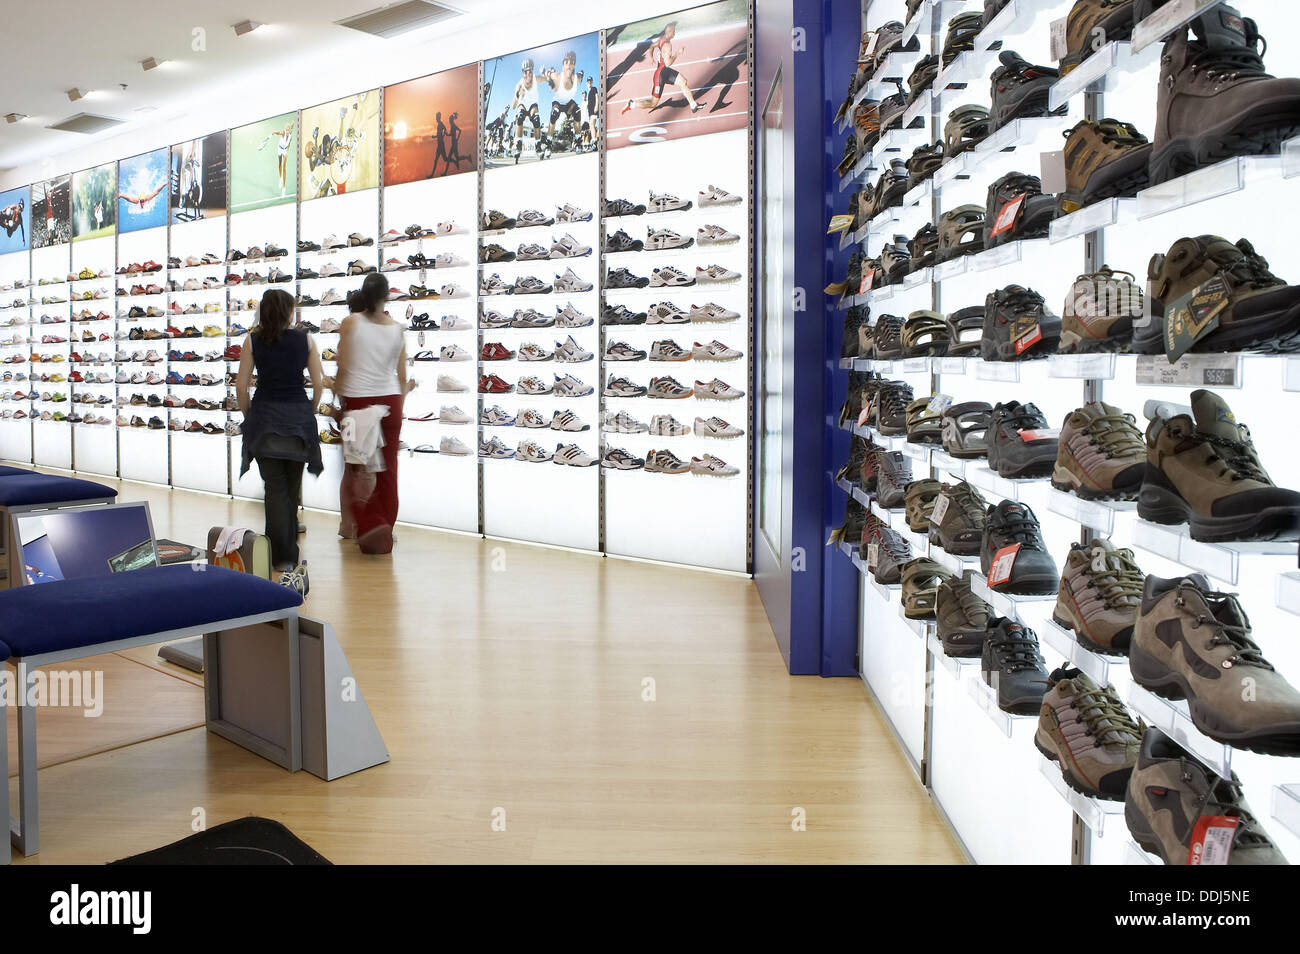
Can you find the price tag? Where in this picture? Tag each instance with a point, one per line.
(1041, 434)
(1212, 840)
(1060, 46)
(873, 555)
(1051, 170)
(938, 404)
(839, 223)
(940, 509)
(1194, 316)
(1006, 219)
(1003, 561)
(1029, 338)
(868, 277)
(1191, 370)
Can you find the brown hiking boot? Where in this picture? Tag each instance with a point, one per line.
(1100, 454)
(893, 474)
(1203, 470)
(919, 501)
(1262, 312)
(1100, 312)
(1099, 596)
(1193, 643)
(1215, 99)
(1103, 159)
(963, 618)
(959, 529)
(1093, 23)
(1087, 731)
(1169, 792)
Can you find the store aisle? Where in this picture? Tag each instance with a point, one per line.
(510, 681)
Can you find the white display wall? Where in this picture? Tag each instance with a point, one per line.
(15, 430)
(51, 439)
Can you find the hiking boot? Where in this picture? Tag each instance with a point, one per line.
(892, 108)
(1103, 159)
(855, 518)
(921, 578)
(891, 187)
(1086, 730)
(1262, 312)
(1203, 470)
(1099, 596)
(891, 408)
(1102, 455)
(921, 77)
(966, 128)
(1170, 792)
(922, 247)
(992, 8)
(960, 38)
(1215, 99)
(1020, 444)
(924, 161)
(961, 232)
(1100, 312)
(962, 617)
(893, 474)
(957, 524)
(965, 427)
(1033, 212)
(1020, 90)
(1018, 326)
(1006, 525)
(887, 337)
(1090, 21)
(893, 551)
(895, 261)
(918, 501)
(1011, 664)
(1193, 643)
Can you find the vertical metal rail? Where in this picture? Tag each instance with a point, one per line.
(478, 282)
(602, 191)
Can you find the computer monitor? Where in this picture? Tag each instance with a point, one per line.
(80, 542)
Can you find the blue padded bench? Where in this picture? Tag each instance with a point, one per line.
(26, 491)
(55, 622)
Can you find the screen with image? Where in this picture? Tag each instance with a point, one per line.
(83, 542)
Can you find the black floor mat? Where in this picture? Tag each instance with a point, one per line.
(246, 841)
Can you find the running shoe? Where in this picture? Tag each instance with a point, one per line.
(622, 423)
(487, 384)
(453, 353)
(495, 351)
(531, 217)
(530, 318)
(712, 312)
(568, 421)
(665, 462)
(669, 388)
(451, 290)
(449, 384)
(622, 351)
(663, 239)
(533, 385)
(330, 270)
(493, 285)
(332, 297)
(532, 452)
(534, 352)
(618, 207)
(669, 277)
(496, 416)
(710, 466)
(666, 202)
(621, 315)
(666, 313)
(571, 283)
(532, 252)
(566, 385)
(569, 247)
(571, 213)
(622, 278)
(451, 414)
(620, 241)
(357, 239)
(491, 254)
(495, 221)
(355, 267)
(668, 350)
(618, 459)
(715, 427)
(715, 235)
(715, 274)
(718, 390)
(530, 285)
(570, 317)
(491, 319)
(450, 445)
(714, 351)
(453, 323)
(712, 195)
(665, 425)
(494, 449)
(532, 418)
(571, 352)
(572, 455)
(304, 245)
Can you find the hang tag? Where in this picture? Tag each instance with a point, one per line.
(1059, 44)
(938, 404)
(1029, 338)
(839, 223)
(836, 288)
(422, 279)
(1006, 219)
(1051, 170)
(873, 555)
(940, 509)
(1003, 561)
(1041, 434)
(1212, 840)
(868, 277)
(864, 416)
(1193, 316)
(420, 338)
(870, 50)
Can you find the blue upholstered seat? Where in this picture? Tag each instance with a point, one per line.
(29, 488)
(7, 471)
(66, 614)
(4, 652)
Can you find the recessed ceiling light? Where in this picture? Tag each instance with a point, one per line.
(246, 26)
(14, 117)
(75, 94)
(151, 64)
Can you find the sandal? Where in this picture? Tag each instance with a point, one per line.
(921, 578)
(964, 322)
(918, 503)
(924, 426)
(925, 333)
(964, 429)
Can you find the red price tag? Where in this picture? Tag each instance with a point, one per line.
(1043, 434)
(867, 278)
(1029, 339)
(1003, 561)
(1008, 216)
(1212, 840)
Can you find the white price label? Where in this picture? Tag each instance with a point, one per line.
(939, 403)
(1051, 170)
(940, 509)
(1191, 370)
(873, 555)
(1060, 46)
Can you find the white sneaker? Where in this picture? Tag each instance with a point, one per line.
(662, 239)
(332, 297)
(447, 383)
(452, 290)
(496, 416)
(714, 351)
(715, 196)
(450, 445)
(669, 388)
(448, 323)
(712, 312)
(391, 236)
(715, 427)
(573, 455)
(453, 353)
(665, 425)
(570, 317)
(668, 350)
(534, 352)
(570, 351)
(669, 277)
(567, 421)
(665, 313)
(330, 326)
(710, 466)
(330, 270)
(333, 241)
(493, 285)
(532, 385)
(622, 423)
(495, 449)
(718, 390)
(716, 274)
(571, 213)
(571, 282)
(531, 452)
(566, 385)
(715, 235)
(453, 415)
(530, 417)
(665, 202)
(569, 247)
(393, 265)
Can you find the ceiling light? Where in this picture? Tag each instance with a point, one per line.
(151, 64)
(246, 26)
(14, 117)
(75, 94)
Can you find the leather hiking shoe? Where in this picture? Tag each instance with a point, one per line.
(1101, 454)
(1100, 312)
(887, 338)
(1086, 730)
(1017, 209)
(921, 578)
(1262, 312)
(1090, 20)
(1018, 326)
(894, 551)
(962, 617)
(1099, 597)
(1103, 159)
(1203, 470)
(923, 163)
(1020, 90)
(957, 519)
(893, 474)
(891, 408)
(1011, 528)
(1215, 99)
(1193, 643)
(1011, 664)
(1019, 441)
(918, 503)
(1170, 792)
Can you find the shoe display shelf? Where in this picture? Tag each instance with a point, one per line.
(923, 628)
(1222, 561)
(94, 446)
(1165, 19)
(1028, 608)
(953, 664)
(1099, 668)
(51, 433)
(15, 365)
(1018, 144)
(1094, 812)
(1286, 807)
(931, 15)
(1172, 718)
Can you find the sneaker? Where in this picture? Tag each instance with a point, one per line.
(531, 252)
(664, 239)
(566, 385)
(532, 385)
(715, 274)
(569, 247)
(571, 213)
(494, 449)
(715, 235)
(487, 384)
(453, 415)
(622, 315)
(714, 351)
(531, 418)
(572, 283)
(451, 445)
(494, 221)
(619, 207)
(1104, 159)
(1011, 531)
(531, 217)
(622, 423)
(1021, 90)
(962, 618)
(1172, 797)
(666, 313)
(448, 323)
(620, 241)
(1011, 663)
(1086, 730)
(297, 579)
(530, 318)
(717, 390)
(665, 425)
(712, 195)
(332, 297)
(665, 202)
(710, 466)
(532, 452)
(622, 387)
(530, 285)
(493, 285)
(1101, 454)
(668, 350)
(568, 421)
(616, 458)
(665, 462)
(572, 455)
(493, 253)
(1020, 444)
(622, 351)
(491, 319)
(1099, 596)
(716, 427)
(534, 352)
(453, 353)
(447, 383)
(622, 278)
(669, 277)
(496, 416)
(330, 270)
(712, 312)
(669, 388)
(571, 352)
(570, 317)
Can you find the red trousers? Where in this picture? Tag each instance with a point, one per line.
(368, 501)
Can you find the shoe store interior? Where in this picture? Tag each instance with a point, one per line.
(924, 364)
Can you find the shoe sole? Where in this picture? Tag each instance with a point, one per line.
(1074, 343)
(963, 650)
(1068, 482)
(1040, 466)
(1261, 134)
(1068, 623)
(1070, 778)
(1163, 506)
(1036, 585)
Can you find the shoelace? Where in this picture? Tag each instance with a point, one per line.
(1026, 417)
(1225, 634)
(1105, 717)
(1249, 270)
(1020, 528)
(1117, 434)
(1023, 300)
(1014, 651)
(972, 607)
(1231, 64)
(1119, 585)
(1020, 184)
(973, 506)
(1237, 457)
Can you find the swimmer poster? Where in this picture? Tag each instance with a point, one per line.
(683, 74)
(339, 146)
(431, 126)
(94, 202)
(52, 212)
(15, 220)
(264, 163)
(542, 102)
(142, 191)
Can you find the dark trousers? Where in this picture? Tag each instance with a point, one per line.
(283, 480)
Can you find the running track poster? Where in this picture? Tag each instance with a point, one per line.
(264, 163)
(15, 220)
(52, 212)
(431, 126)
(655, 68)
(142, 191)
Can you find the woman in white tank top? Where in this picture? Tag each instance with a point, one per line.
(371, 372)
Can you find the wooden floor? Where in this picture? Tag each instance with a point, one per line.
(508, 681)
